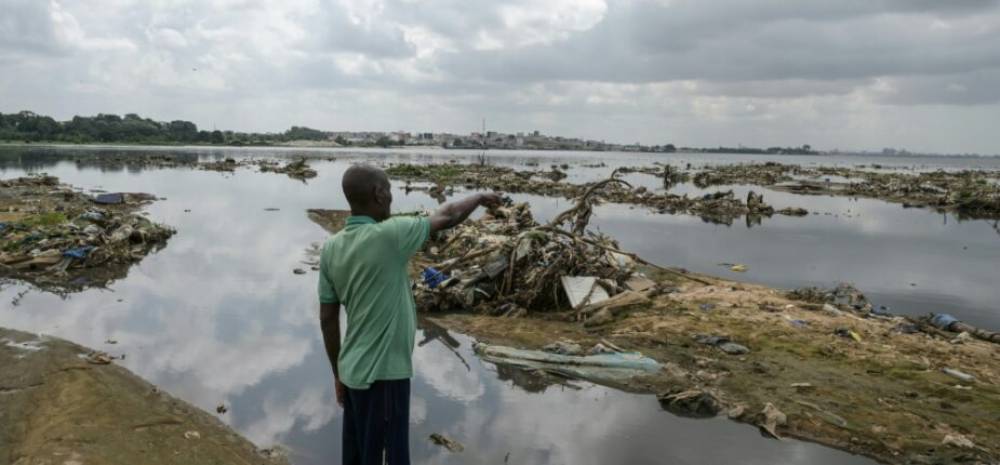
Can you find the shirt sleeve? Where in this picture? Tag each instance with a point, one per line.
(327, 294)
(410, 233)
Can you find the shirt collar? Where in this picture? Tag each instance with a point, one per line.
(362, 219)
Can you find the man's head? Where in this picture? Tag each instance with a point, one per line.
(367, 190)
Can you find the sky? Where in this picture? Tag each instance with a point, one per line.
(923, 75)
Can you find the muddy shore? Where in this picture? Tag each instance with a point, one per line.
(59, 405)
(884, 396)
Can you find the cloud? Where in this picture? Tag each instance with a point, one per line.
(683, 71)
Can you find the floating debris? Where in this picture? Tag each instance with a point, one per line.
(720, 207)
(450, 444)
(297, 169)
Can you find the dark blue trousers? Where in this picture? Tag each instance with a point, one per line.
(377, 424)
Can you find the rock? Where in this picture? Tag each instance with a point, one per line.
(92, 230)
(621, 301)
(958, 440)
(770, 419)
(733, 348)
(736, 412)
(601, 317)
(832, 310)
(98, 358)
(601, 349)
(694, 404)
(564, 348)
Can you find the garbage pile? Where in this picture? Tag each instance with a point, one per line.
(843, 297)
(509, 264)
(297, 169)
(60, 239)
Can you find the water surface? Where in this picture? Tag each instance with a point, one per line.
(219, 317)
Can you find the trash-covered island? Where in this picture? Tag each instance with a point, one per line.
(556, 300)
(60, 239)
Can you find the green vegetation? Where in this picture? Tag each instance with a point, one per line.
(45, 219)
(133, 129)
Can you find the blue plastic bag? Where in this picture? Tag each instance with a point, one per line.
(78, 253)
(432, 277)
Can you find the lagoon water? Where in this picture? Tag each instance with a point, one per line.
(218, 317)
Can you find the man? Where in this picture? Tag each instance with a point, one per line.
(364, 267)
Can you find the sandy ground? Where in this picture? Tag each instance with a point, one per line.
(56, 407)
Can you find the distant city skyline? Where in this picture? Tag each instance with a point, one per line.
(851, 75)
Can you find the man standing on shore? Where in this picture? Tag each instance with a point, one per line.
(364, 267)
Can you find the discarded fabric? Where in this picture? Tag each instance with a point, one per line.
(78, 253)
(943, 321)
(110, 199)
(613, 369)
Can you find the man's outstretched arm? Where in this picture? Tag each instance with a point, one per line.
(329, 321)
(454, 213)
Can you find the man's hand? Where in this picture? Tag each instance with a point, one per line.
(453, 213)
(341, 392)
(491, 199)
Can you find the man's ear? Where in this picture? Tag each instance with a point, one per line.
(378, 193)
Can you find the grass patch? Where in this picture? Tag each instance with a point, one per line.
(44, 219)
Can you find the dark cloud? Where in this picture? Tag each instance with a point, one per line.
(647, 41)
(874, 72)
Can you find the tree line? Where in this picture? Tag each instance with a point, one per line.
(27, 126)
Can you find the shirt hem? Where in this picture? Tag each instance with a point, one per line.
(386, 377)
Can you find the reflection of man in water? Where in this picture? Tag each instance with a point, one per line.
(364, 267)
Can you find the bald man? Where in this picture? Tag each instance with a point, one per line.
(364, 268)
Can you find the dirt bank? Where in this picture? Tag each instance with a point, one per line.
(882, 395)
(56, 407)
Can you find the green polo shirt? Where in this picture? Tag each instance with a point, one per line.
(364, 268)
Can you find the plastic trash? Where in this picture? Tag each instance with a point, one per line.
(943, 321)
(723, 343)
(3, 226)
(78, 253)
(583, 290)
(848, 333)
(799, 323)
(610, 369)
(110, 199)
(958, 374)
(92, 216)
(432, 277)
